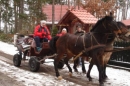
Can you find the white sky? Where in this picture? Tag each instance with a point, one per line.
(117, 77)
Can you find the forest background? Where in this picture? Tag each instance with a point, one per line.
(23, 15)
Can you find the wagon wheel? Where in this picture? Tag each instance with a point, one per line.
(17, 60)
(34, 64)
(61, 64)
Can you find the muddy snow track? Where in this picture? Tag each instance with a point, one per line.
(77, 78)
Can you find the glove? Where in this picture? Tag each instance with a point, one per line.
(43, 34)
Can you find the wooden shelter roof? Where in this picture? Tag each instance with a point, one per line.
(84, 16)
(126, 22)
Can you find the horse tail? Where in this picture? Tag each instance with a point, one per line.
(52, 44)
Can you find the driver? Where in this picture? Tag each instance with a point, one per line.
(41, 33)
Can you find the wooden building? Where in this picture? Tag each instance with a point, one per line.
(72, 17)
(126, 22)
(60, 11)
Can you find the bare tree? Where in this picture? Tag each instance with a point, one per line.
(100, 8)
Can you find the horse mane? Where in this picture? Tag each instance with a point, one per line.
(108, 18)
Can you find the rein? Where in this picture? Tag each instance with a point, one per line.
(118, 49)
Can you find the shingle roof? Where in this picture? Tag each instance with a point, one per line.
(85, 16)
(59, 12)
(126, 22)
(82, 15)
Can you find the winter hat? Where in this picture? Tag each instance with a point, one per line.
(43, 22)
(64, 29)
(78, 25)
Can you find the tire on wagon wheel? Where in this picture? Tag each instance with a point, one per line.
(60, 64)
(17, 60)
(34, 64)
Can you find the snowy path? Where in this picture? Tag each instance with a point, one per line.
(117, 77)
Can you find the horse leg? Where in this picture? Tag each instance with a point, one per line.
(104, 74)
(100, 69)
(66, 62)
(56, 61)
(89, 70)
(83, 66)
(76, 62)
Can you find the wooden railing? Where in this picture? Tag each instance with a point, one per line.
(121, 58)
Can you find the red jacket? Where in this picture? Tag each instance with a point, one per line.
(42, 32)
(60, 34)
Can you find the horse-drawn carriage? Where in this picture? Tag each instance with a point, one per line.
(26, 48)
(103, 34)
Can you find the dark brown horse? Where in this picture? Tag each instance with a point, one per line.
(108, 43)
(105, 55)
(109, 46)
(94, 41)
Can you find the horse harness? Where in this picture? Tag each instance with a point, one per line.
(89, 48)
(95, 46)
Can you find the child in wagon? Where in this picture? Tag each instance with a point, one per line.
(63, 32)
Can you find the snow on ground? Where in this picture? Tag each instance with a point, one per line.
(32, 79)
(8, 48)
(116, 76)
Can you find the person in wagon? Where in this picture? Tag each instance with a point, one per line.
(79, 30)
(63, 32)
(41, 33)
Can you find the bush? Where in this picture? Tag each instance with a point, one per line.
(6, 37)
(54, 31)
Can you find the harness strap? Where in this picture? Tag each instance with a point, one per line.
(77, 40)
(84, 41)
(88, 49)
(94, 38)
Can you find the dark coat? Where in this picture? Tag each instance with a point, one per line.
(79, 33)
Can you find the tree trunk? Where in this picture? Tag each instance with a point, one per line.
(16, 19)
(68, 4)
(21, 13)
(0, 18)
(53, 14)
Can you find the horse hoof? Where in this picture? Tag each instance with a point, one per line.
(59, 77)
(90, 79)
(70, 74)
(106, 79)
(75, 70)
(102, 84)
(84, 72)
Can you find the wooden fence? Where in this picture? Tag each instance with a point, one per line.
(121, 58)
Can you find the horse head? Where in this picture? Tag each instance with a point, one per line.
(125, 34)
(107, 25)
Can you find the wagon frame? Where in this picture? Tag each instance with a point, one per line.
(35, 57)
